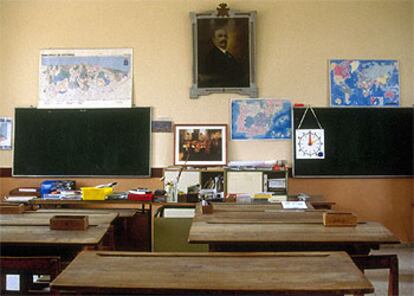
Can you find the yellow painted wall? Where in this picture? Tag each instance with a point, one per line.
(295, 39)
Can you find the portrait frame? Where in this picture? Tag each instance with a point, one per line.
(200, 144)
(240, 30)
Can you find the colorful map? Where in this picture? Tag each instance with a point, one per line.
(258, 119)
(85, 78)
(364, 83)
(5, 133)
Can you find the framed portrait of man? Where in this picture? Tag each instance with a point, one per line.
(223, 52)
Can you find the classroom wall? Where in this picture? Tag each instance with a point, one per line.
(295, 39)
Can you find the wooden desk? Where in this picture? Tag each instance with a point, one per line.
(29, 236)
(316, 201)
(132, 227)
(91, 204)
(214, 273)
(234, 227)
(133, 234)
(33, 228)
(122, 213)
(250, 228)
(42, 217)
(37, 235)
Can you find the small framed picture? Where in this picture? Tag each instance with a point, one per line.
(223, 52)
(200, 144)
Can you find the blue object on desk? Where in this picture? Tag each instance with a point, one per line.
(49, 186)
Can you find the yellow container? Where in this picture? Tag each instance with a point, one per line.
(93, 193)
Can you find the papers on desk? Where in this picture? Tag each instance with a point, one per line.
(277, 198)
(19, 198)
(64, 194)
(252, 163)
(294, 205)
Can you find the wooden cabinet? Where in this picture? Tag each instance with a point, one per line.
(205, 178)
(229, 180)
(254, 181)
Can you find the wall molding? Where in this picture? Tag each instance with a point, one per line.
(155, 173)
(5, 172)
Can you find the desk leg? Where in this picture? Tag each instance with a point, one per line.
(2, 283)
(54, 292)
(26, 282)
(378, 262)
(109, 239)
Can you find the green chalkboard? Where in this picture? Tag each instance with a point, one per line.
(359, 142)
(82, 142)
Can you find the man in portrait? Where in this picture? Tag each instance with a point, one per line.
(219, 67)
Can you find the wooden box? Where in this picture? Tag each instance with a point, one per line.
(231, 197)
(189, 197)
(207, 209)
(69, 222)
(11, 208)
(339, 219)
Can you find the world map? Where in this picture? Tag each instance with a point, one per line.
(254, 119)
(364, 83)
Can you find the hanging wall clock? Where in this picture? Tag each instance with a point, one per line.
(310, 144)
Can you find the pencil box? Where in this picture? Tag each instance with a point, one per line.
(141, 197)
(93, 193)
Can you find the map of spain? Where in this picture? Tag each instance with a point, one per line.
(254, 119)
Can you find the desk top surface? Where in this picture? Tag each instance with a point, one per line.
(271, 224)
(42, 217)
(92, 204)
(32, 228)
(63, 211)
(131, 204)
(246, 272)
(42, 235)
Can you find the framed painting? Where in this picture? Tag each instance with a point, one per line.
(357, 83)
(200, 144)
(223, 52)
